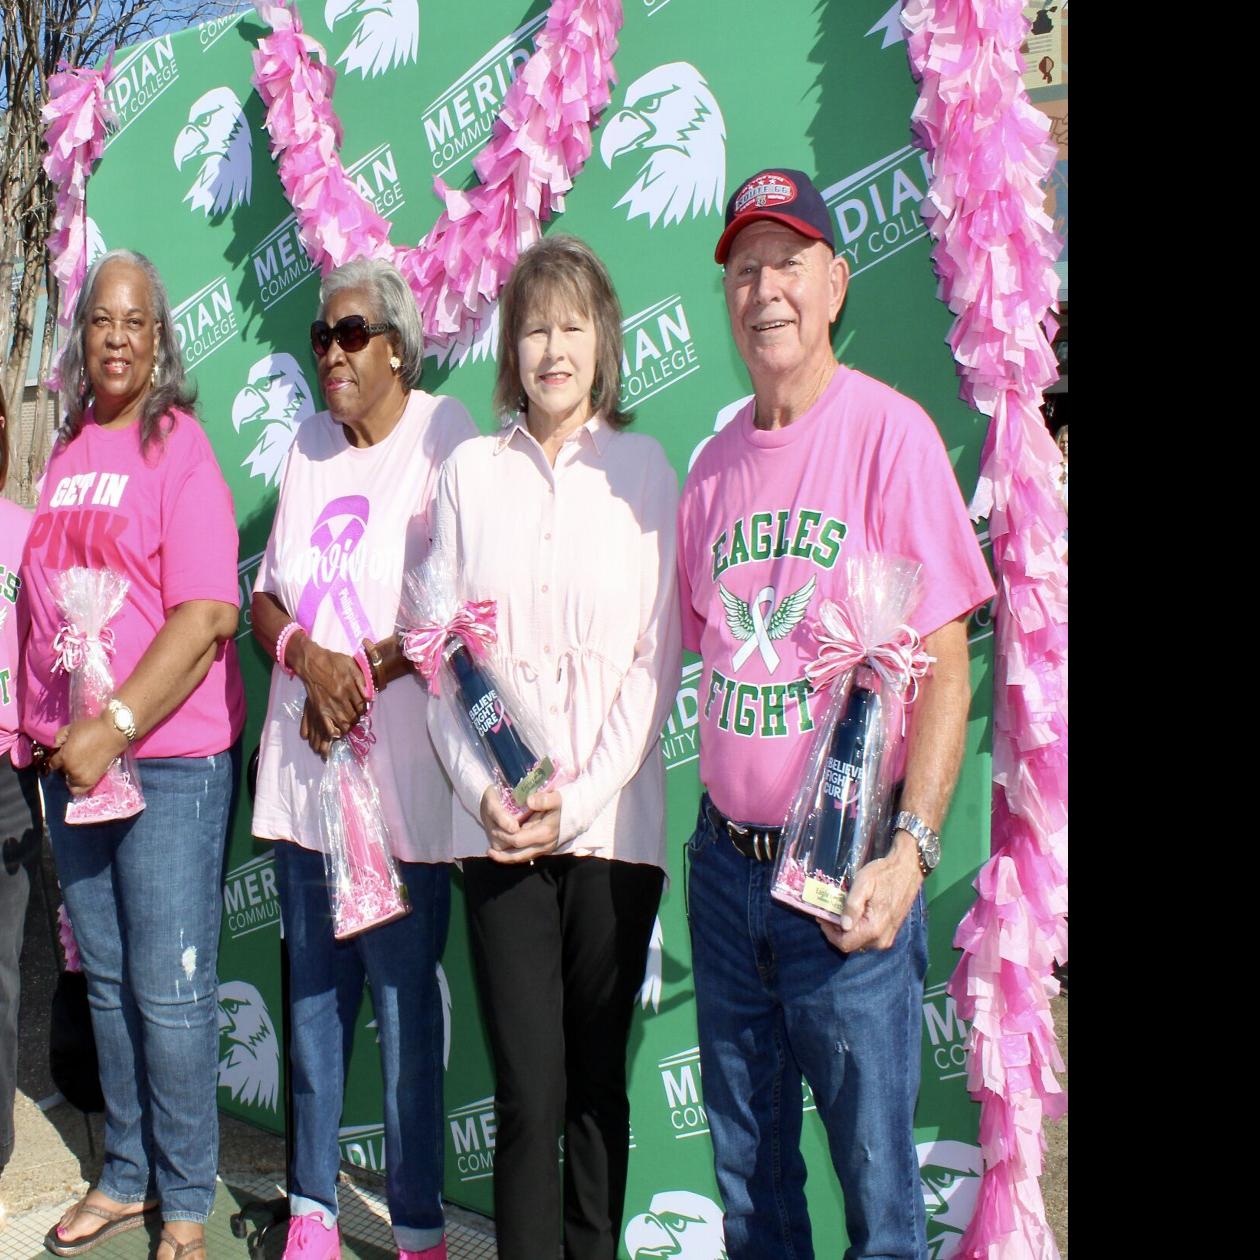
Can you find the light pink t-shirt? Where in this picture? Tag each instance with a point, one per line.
(580, 561)
(349, 522)
(766, 516)
(164, 521)
(15, 521)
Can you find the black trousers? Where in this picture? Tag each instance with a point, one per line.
(19, 851)
(559, 950)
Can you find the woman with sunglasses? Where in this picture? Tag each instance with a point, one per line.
(133, 486)
(353, 516)
(566, 520)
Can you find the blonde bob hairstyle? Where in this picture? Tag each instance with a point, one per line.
(560, 275)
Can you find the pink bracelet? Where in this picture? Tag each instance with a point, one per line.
(282, 642)
(361, 660)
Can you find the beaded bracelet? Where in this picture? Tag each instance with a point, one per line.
(282, 642)
(362, 662)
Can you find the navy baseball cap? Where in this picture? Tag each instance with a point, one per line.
(783, 195)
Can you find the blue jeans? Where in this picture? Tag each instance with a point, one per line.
(326, 978)
(775, 1001)
(145, 898)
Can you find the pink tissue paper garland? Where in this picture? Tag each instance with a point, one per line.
(75, 121)
(542, 138)
(994, 255)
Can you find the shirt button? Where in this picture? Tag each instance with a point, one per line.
(547, 537)
(554, 709)
(547, 648)
(544, 588)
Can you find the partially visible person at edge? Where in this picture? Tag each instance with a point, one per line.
(353, 517)
(132, 485)
(567, 521)
(19, 798)
(823, 463)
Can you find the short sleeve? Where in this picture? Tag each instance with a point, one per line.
(692, 624)
(925, 519)
(200, 542)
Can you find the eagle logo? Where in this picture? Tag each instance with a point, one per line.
(387, 34)
(677, 1223)
(745, 621)
(277, 398)
(249, 1054)
(650, 989)
(95, 241)
(217, 133)
(949, 1175)
(672, 122)
(478, 339)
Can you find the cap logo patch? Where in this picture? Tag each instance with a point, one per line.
(765, 190)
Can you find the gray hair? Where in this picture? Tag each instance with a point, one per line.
(172, 387)
(393, 303)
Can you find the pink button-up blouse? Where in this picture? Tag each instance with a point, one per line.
(580, 559)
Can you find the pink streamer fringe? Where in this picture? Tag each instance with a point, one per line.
(541, 140)
(65, 934)
(75, 121)
(994, 257)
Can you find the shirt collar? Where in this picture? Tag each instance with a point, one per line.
(597, 430)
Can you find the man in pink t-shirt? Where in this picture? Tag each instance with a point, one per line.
(821, 464)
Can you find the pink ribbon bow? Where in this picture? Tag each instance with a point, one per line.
(900, 661)
(360, 736)
(70, 646)
(474, 623)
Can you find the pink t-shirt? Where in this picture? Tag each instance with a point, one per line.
(767, 515)
(349, 522)
(14, 524)
(165, 521)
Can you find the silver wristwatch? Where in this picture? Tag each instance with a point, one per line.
(929, 841)
(122, 718)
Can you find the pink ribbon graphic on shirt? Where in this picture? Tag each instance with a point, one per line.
(474, 623)
(330, 578)
(900, 661)
(70, 646)
(760, 641)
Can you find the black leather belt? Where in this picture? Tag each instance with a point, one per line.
(758, 843)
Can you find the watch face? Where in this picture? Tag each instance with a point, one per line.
(930, 852)
(122, 718)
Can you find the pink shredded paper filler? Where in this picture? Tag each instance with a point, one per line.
(75, 119)
(541, 140)
(994, 254)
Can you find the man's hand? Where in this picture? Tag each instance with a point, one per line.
(85, 750)
(335, 692)
(512, 841)
(881, 898)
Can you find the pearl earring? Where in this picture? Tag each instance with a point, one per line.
(394, 362)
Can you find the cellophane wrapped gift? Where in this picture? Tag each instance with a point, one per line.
(364, 885)
(869, 663)
(88, 600)
(448, 641)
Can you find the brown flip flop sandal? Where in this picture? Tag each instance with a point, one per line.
(182, 1250)
(113, 1222)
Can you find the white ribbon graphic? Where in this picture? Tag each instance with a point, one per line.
(760, 640)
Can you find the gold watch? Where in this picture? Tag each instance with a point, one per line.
(122, 718)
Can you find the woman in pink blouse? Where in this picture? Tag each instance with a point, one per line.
(567, 521)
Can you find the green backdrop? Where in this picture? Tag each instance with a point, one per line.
(709, 91)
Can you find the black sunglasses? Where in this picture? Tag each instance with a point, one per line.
(351, 333)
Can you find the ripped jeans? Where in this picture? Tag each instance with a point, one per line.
(775, 1002)
(145, 898)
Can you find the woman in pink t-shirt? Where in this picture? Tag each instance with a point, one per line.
(19, 798)
(567, 521)
(353, 516)
(133, 486)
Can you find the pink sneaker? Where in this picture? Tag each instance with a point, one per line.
(310, 1239)
(437, 1252)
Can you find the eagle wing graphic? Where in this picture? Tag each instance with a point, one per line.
(787, 616)
(738, 615)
